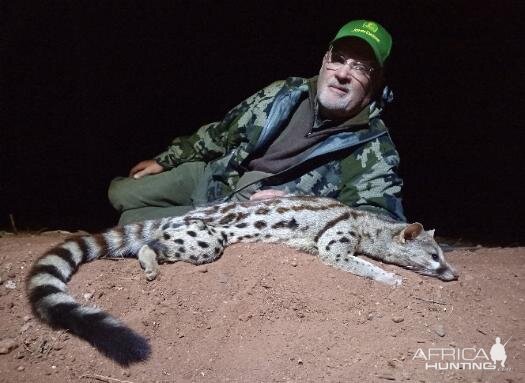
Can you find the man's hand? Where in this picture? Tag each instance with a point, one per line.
(266, 194)
(144, 168)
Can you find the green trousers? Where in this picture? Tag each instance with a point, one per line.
(171, 193)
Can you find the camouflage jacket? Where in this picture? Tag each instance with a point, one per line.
(357, 167)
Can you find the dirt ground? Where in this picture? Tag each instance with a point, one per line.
(272, 314)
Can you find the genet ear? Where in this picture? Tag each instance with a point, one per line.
(431, 232)
(411, 231)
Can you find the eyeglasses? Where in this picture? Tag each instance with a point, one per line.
(337, 60)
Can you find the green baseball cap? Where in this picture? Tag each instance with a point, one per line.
(374, 34)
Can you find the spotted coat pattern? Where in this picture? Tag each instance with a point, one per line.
(323, 226)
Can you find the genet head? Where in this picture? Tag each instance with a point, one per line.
(419, 252)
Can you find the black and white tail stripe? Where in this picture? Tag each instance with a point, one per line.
(50, 301)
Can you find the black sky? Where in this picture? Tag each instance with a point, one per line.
(91, 88)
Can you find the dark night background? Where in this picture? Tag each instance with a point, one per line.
(91, 88)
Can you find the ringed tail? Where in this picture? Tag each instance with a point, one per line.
(51, 302)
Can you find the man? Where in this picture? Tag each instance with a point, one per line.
(320, 136)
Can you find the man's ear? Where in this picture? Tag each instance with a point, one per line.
(410, 232)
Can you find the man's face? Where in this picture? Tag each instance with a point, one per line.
(343, 92)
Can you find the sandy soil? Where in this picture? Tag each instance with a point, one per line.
(271, 314)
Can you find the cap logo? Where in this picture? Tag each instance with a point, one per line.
(370, 26)
(368, 33)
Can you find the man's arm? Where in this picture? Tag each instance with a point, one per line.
(214, 140)
(370, 181)
(207, 143)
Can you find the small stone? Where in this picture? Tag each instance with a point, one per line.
(202, 269)
(245, 317)
(11, 285)
(300, 362)
(392, 363)
(300, 315)
(397, 319)
(440, 330)
(126, 373)
(7, 345)
(294, 263)
(87, 296)
(27, 318)
(386, 376)
(20, 368)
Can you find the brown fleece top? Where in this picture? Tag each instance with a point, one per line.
(303, 132)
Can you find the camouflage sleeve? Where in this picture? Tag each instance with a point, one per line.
(370, 181)
(216, 139)
(204, 145)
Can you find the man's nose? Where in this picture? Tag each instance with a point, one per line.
(343, 73)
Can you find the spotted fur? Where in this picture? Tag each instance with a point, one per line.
(337, 233)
